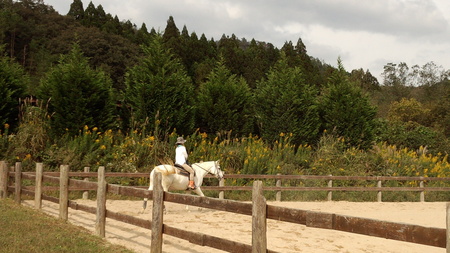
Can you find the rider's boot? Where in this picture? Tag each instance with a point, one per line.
(191, 185)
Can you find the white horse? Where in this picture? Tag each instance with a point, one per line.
(171, 180)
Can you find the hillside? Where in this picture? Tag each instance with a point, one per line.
(88, 69)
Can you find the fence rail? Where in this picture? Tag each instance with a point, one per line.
(397, 231)
(379, 188)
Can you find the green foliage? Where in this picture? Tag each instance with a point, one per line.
(366, 80)
(346, 111)
(284, 103)
(159, 95)
(440, 111)
(77, 95)
(224, 103)
(409, 134)
(159, 91)
(135, 152)
(250, 155)
(4, 142)
(31, 141)
(409, 110)
(13, 83)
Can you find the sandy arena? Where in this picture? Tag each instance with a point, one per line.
(281, 236)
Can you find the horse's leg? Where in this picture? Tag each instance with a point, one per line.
(165, 189)
(150, 188)
(199, 192)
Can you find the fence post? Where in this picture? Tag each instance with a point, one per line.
(422, 193)
(330, 193)
(86, 193)
(3, 179)
(379, 196)
(221, 193)
(448, 227)
(278, 184)
(259, 219)
(64, 192)
(157, 215)
(100, 221)
(18, 182)
(38, 186)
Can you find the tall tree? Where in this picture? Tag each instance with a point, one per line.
(172, 38)
(284, 103)
(441, 110)
(346, 111)
(259, 57)
(76, 10)
(142, 35)
(365, 79)
(159, 91)
(224, 103)
(13, 83)
(229, 48)
(90, 18)
(78, 95)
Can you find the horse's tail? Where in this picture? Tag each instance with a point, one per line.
(164, 170)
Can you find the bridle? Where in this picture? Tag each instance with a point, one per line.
(209, 170)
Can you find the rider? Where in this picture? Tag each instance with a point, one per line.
(181, 157)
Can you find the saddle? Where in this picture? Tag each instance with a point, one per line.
(181, 170)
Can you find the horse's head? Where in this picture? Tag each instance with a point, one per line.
(219, 173)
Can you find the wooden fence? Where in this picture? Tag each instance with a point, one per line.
(259, 210)
(278, 188)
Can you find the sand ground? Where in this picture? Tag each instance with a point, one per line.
(281, 236)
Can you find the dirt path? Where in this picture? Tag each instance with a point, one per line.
(281, 236)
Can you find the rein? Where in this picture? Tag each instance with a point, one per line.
(208, 171)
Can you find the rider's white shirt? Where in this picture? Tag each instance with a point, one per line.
(181, 155)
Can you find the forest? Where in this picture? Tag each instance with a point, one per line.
(87, 88)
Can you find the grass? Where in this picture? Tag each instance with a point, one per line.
(26, 230)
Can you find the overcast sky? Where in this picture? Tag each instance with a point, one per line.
(364, 33)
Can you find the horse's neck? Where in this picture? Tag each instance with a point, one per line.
(202, 169)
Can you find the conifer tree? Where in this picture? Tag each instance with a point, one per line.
(224, 103)
(284, 103)
(90, 16)
(142, 35)
(172, 39)
(159, 92)
(77, 95)
(13, 83)
(346, 111)
(76, 10)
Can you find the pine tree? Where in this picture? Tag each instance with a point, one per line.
(90, 18)
(100, 17)
(77, 95)
(159, 91)
(172, 39)
(142, 35)
(284, 103)
(76, 10)
(224, 103)
(232, 53)
(346, 111)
